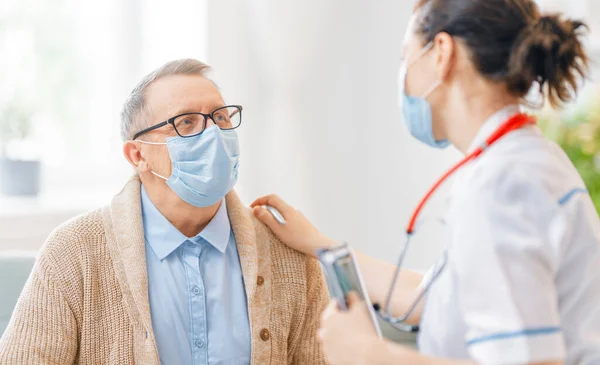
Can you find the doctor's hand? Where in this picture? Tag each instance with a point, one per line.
(298, 232)
(349, 337)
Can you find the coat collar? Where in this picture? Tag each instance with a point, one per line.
(125, 240)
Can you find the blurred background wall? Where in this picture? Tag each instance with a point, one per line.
(323, 130)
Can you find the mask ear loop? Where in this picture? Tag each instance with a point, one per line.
(154, 143)
(426, 49)
(155, 174)
(421, 53)
(432, 89)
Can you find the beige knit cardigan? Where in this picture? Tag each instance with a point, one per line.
(86, 300)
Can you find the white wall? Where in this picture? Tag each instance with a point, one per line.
(321, 125)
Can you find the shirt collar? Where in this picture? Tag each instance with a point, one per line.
(218, 231)
(164, 238)
(160, 234)
(492, 124)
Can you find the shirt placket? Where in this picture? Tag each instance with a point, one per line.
(197, 303)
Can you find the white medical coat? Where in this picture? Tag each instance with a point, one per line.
(522, 282)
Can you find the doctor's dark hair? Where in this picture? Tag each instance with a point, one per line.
(510, 41)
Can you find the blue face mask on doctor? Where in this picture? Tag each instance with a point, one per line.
(417, 110)
(205, 167)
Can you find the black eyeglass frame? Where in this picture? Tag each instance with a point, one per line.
(171, 121)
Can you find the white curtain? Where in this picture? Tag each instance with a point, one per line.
(322, 126)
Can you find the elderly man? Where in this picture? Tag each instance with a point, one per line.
(175, 270)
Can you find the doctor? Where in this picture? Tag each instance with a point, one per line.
(521, 284)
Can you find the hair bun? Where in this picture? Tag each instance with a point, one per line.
(551, 54)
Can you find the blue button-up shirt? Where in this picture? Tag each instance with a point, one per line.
(197, 297)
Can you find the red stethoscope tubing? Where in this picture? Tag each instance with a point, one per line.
(515, 122)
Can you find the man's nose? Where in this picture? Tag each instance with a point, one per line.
(209, 122)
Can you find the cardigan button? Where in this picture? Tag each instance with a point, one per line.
(265, 335)
(260, 280)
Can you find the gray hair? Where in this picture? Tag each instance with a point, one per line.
(135, 104)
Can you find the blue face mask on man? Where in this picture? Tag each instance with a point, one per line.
(417, 110)
(205, 167)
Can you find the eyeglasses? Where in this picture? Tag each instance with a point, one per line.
(192, 124)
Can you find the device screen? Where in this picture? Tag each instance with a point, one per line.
(348, 277)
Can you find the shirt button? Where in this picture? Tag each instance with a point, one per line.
(265, 335)
(190, 244)
(199, 343)
(260, 280)
(196, 290)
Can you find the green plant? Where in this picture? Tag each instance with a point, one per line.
(15, 122)
(578, 133)
(45, 68)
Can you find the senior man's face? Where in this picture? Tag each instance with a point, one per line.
(166, 98)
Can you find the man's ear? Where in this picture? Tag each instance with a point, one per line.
(133, 154)
(444, 47)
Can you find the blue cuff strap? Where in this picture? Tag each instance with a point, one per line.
(565, 198)
(507, 335)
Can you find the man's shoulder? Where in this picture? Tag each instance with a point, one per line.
(73, 239)
(287, 263)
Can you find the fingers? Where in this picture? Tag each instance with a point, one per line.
(274, 201)
(259, 201)
(263, 200)
(267, 218)
(356, 304)
(331, 309)
(353, 299)
(321, 333)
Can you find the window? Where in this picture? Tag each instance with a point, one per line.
(67, 66)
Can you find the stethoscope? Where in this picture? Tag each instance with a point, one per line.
(514, 123)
